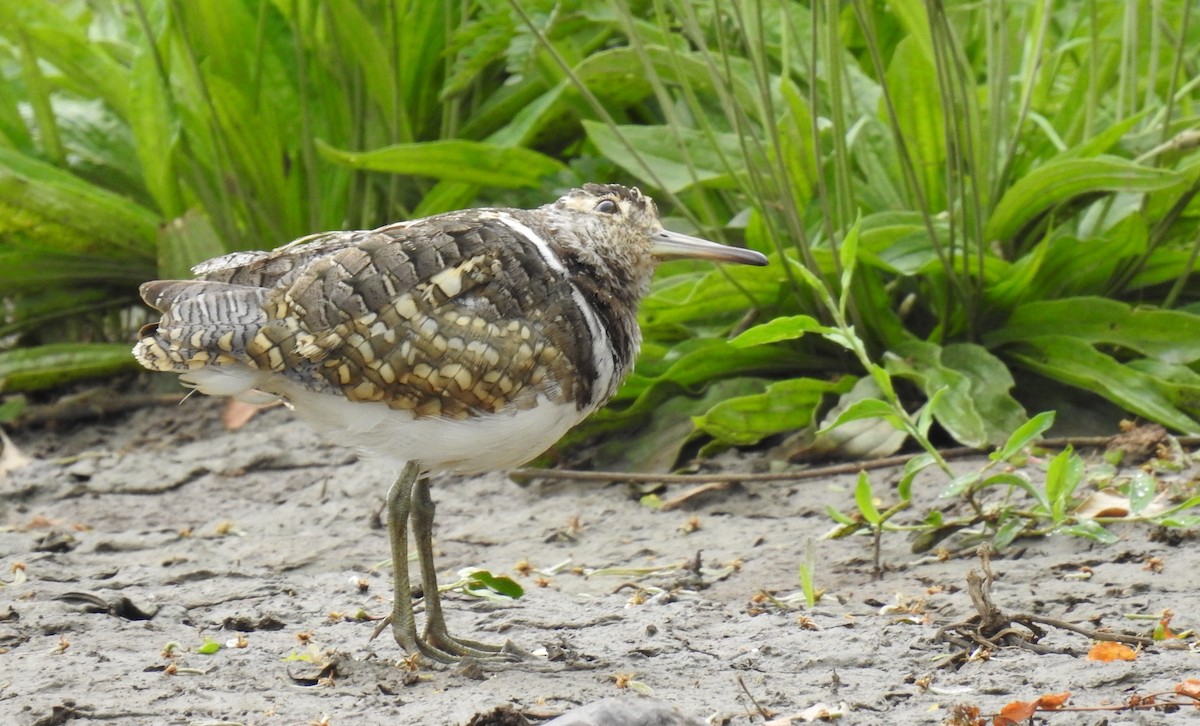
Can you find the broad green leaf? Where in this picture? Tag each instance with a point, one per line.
(1023, 436)
(1066, 266)
(783, 328)
(1077, 363)
(455, 160)
(719, 297)
(784, 406)
(155, 130)
(672, 158)
(1168, 335)
(668, 427)
(44, 207)
(975, 406)
(47, 366)
(1061, 180)
(913, 85)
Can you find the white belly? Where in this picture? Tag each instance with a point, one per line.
(490, 442)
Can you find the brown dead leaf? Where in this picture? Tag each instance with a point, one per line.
(1104, 503)
(238, 413)
(681, 499)
(1108, 651)
(1053, 701)
(1189, 688)
(1015, 713)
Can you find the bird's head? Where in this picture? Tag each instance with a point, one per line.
(624, 223)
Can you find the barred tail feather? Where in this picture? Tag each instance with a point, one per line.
(203, 333)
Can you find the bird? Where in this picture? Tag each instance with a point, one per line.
(464, 342)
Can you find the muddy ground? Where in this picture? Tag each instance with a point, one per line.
(266, 541)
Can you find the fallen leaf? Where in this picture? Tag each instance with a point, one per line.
(1189, 688)
(11, 458)
(238, 413)
(681, 499)
(1054, 701)
(1104, 503)
(1015, 712)
(1108, 651)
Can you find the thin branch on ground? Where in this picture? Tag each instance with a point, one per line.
(991, 628)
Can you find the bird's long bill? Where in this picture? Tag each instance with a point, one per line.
(667, 245)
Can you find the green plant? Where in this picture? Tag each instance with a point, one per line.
(1019, 188)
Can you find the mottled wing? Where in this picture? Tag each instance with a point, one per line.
(451, 316)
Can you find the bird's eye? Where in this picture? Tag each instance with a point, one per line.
(607, 206)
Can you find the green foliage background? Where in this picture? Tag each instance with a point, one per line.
(956, 197)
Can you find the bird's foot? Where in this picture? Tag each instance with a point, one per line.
(439, 646)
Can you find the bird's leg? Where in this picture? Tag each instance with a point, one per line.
(399, 502)
(436, 635)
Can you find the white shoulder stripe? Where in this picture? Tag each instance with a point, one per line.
(548, 255)
(602, 357)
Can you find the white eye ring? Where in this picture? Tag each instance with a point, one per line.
(607, 206)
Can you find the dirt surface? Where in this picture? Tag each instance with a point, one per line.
(267, 542)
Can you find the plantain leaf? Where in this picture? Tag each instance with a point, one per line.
(46, 366)
(44, 207)
(1073, 361)
(1170, 336)
(1063, 179)
(472, 162)
(784, 406)
(671, 158)
(974, 405)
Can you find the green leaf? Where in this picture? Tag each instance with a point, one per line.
(45, 208)
(1075, 362)
(47, 366)
(913, 82)
(838, 517)
(784, 406)
(961, 484)
(1009, 530)
(1167, 335)
(1090, 529)
(974, 405)
(1061, 180)
(1062, 477)
(787, 327)
(1142, 488)
(473, 162)
(1023, 436)
(866, 408)
(209, 647)
(671, 158)
(865, 499)
(499, 584)
(912, 467)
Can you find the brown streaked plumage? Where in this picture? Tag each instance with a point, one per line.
(463, 342)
